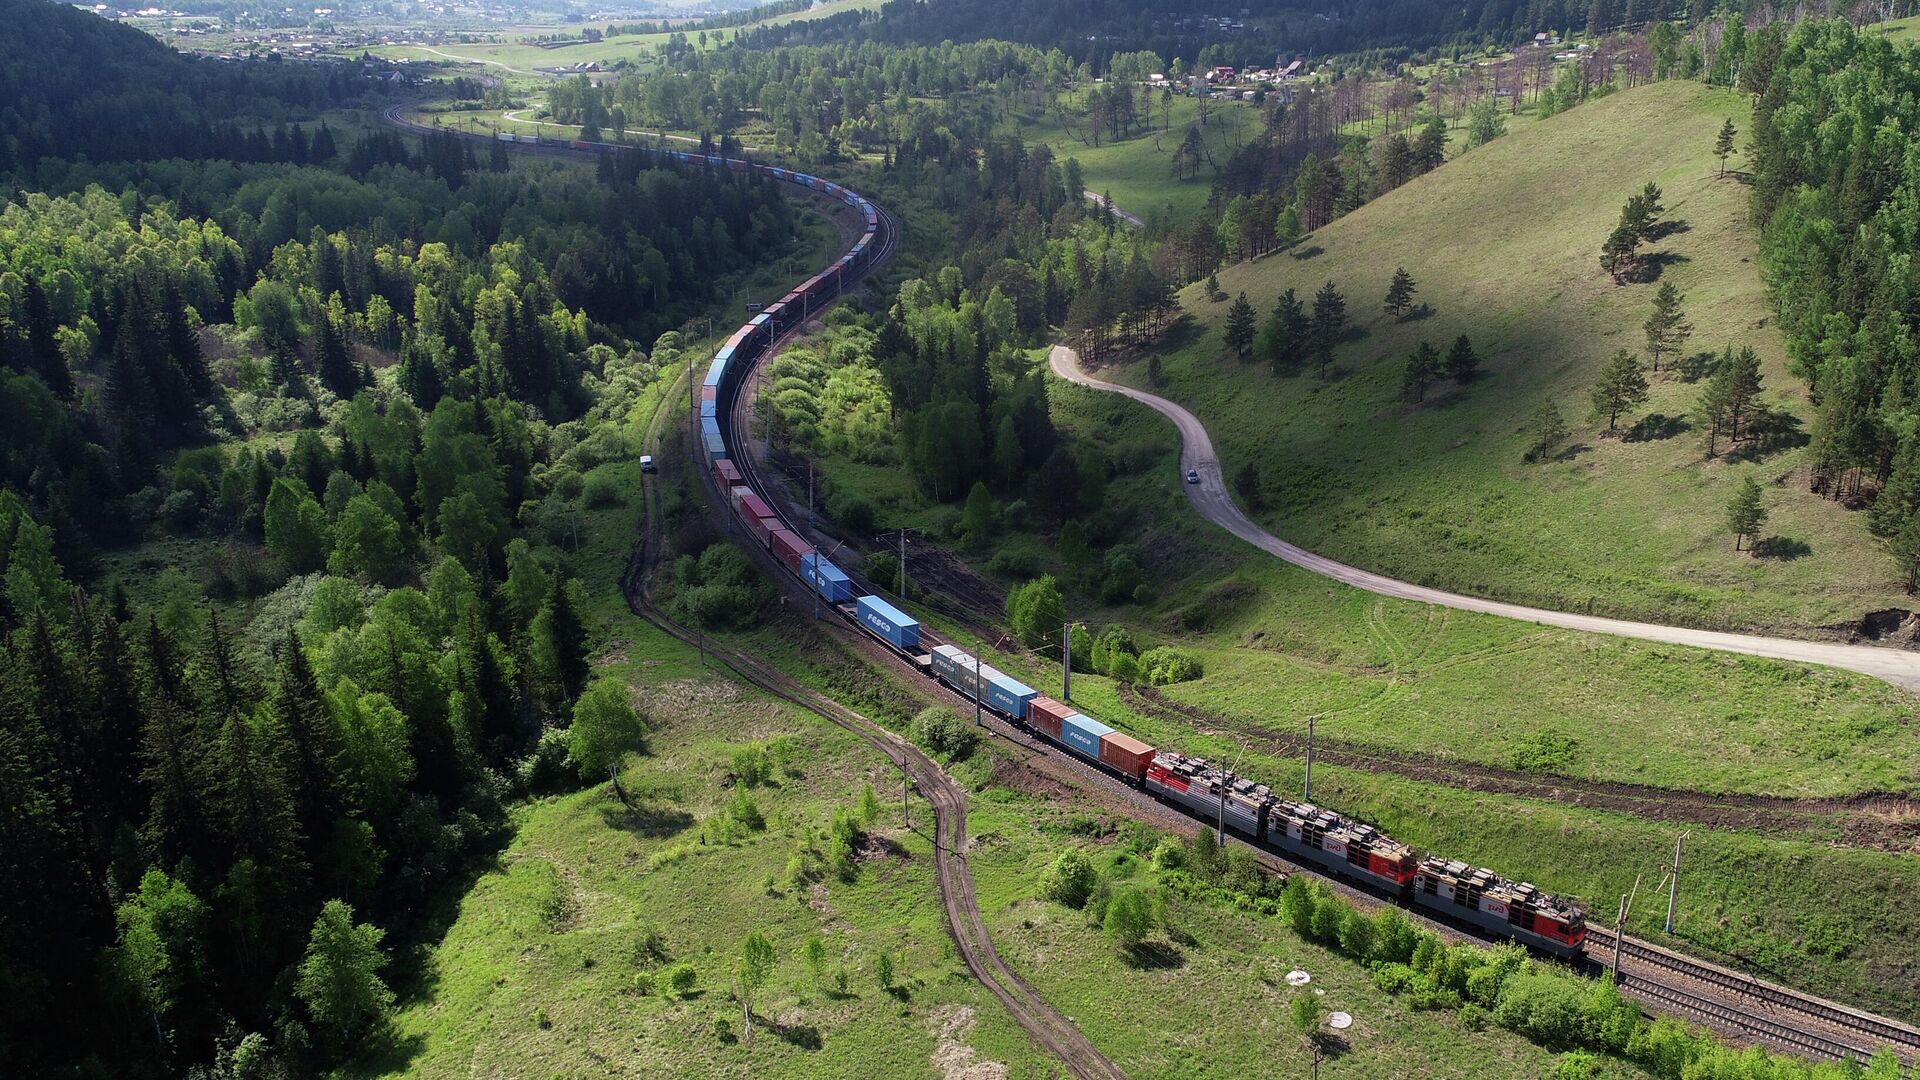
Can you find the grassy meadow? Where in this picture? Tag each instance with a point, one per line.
(1138, 172)
(1503, 242)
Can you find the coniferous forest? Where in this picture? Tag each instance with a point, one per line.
(356, 371)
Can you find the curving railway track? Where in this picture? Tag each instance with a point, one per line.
(1732, 1003)
(965, 922)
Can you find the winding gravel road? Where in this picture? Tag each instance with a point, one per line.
(1210, 497)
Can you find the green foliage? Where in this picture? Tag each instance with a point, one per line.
(1745, 512)
(719, 590)
(1621, 386)
(1069, 880)
(676, 980)
(1130, 917)
(1036, 613)
(1166, 665)
(752, 766)
(339, 980)
(606, 728)
(946, 733)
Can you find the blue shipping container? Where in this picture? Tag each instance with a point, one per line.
(716, 446)
(709, 425)
(834, 587)
(715, 373)
(892, 624)
(1083, 734)
(710, 410)
(1010, 696)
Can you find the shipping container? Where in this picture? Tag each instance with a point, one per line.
(749, 505)
(762, 529)
(1010, 696)
(709, 392)
(827, 579)
(1045, 714)
(1083, 734)
(961, 670)
(709, 425)
(710, 410)
(889, 623)
(715, 445)
(789, 548)
(727, 475)
(1126, 754)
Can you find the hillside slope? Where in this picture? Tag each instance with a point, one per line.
(1504, 244)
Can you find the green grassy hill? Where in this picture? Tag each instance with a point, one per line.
(1504, 243)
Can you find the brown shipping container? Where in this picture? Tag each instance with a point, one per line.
(1126, 753)
(790, 548)
(762, 529)
(726, 474)
(1046, 714)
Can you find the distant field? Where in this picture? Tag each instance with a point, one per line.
(525, 59)
(1504, 242)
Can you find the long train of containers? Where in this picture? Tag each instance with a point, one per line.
(1299, 830)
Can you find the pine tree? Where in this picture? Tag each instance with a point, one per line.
(1283, 335)
(1906, 553)
(1899, 497)
(1745, 514)
(1329, 325)
(562, 641)
(1240, 327)
(1423, 366)
(1619, 253)
(1462, 362)
(1621, 386)
(1723, 144)
(1549, 429)
(1667, 328)
(183, 343)
(1430, 147)
(1400, 294)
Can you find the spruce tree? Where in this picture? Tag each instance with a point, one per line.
(1240, 327)
(42, 344)
(301, 717)
(562, 640)
(1619, 253)
(1723, 144)
(334, 360)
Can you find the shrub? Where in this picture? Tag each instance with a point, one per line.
(751, 766)
(1111, 642)
(1070, 880)
(1473, 1017)
(1170, 854)
(1355, 933)
(1130, 918)
(1573, 1065)
(944, 733)
(676, 981)
(1163, 666)
(546, 769)
(602, 490)
(1545, 1008)
(853, 512)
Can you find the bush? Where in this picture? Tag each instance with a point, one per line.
(1164, 666)
(944, 733)
(1543, 1007)
(1112, 642)
(751, 767)
(1170, 854)
(1070, 880)
(546, 769)
(676, 981)
(1473, 1017)
(853, 512)
(602, 490)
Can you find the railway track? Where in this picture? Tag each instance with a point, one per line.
(1745, 1003)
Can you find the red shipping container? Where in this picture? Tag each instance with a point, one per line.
(789, 548)
(762, 529)
(726, 474)
(709, 393)
(751, 506)
(1125, 753)
(1046, 714)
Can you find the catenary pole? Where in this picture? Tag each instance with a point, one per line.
(1673, 882)
(1066, 662)
(1307, 791)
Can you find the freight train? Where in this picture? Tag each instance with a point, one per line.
(1299, 831)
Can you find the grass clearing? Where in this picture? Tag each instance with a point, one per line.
(1138, 172)
(1438, 493)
